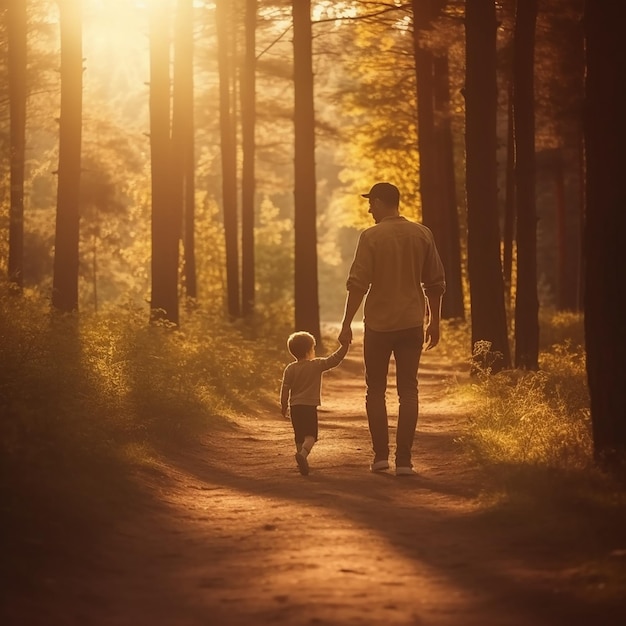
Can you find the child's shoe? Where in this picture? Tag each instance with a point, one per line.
(303, 464)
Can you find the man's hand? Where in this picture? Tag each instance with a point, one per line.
(345, 335)
(431, 335)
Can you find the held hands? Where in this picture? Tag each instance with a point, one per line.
(345, 335)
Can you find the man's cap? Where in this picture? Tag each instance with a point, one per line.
(386, 192)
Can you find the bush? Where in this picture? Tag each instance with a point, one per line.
(532, 418)
(76, 391)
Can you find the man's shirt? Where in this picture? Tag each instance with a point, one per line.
(396, 262)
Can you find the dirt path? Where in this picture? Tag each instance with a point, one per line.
(233, 535)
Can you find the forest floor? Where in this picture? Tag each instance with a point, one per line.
(228, 533)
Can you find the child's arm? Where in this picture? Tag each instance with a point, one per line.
(284, 398)
(337, 356)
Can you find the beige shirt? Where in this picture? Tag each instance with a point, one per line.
(396, 262)
(302, 380)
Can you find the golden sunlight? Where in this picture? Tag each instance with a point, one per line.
(115, 46)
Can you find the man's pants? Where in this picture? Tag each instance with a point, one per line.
(406, 347)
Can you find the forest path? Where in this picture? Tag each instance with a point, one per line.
(232, 535)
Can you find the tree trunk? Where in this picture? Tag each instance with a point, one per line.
(224, 20)
(509, 199)
(430, 183)
(183, 138)
(306, 295)
(17, 58)
(453, 306)
(436, 170)
(483, 242)
(248, 114)
(605, 229)
(526, 300)
(166, 216)
(65, 278)
(17, 106)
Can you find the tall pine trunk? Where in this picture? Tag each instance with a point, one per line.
(483, 240)
(605, 229)
(183, 138)
(248, 124)
(224, 17)
(306, 294)
(453, 306)
(166, 216)
(526, 299)
(436, 172)
(66, 249)
(509, 198)
(17, 40)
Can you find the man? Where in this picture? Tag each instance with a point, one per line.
(397, 265)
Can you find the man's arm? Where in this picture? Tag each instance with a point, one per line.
(353, 302)
(431, 330)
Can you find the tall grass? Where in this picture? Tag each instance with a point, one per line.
(530, 432)
(83, 398)
(534, 418)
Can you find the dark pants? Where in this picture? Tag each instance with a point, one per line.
(304, 422)
(406, 347)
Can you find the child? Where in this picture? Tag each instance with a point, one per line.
(301, 391)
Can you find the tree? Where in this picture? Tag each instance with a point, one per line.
(483, 244)
(248, 125)
(65, 278)
(166, 214)
(307, 315)
(508, 230)
(225, 40)
(17, 106)
(559, 91)
(605, 229)
(436, 159)
(453, 306)
(183, 137)
(526, 300)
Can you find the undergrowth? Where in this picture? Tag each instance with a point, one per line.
(83, 398)
(533, 418)
(530, 432)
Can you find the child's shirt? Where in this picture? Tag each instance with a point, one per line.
(302, 380)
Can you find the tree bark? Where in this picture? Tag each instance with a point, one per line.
(66, 248)
(484, 265)
(509, 199)
(605, 229)
(248, 124)
(526, 300)
(17, 59)
(306, 294)
(183, 138)
(453, 305)
(166, 215)
(224, 20)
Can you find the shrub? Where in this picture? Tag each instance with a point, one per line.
(533, 418)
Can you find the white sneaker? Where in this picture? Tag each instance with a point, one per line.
(379, 466)
(405, 471)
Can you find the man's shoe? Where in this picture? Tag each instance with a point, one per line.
(405, 471)
(303, 464)
(379, 466)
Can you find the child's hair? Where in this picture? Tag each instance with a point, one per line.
(300, 343)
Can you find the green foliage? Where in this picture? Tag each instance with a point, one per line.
(274, 253)
(532, 418)
(75, 392)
